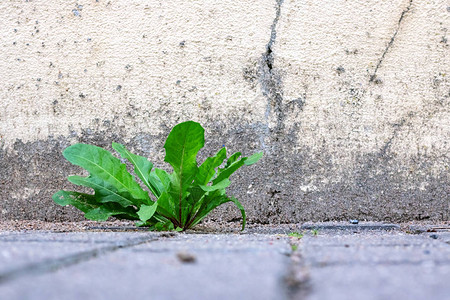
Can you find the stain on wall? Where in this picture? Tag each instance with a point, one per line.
(348, 100)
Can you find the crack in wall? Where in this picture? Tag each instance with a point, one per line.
(373, 77)
(397, 127)
(270, 79)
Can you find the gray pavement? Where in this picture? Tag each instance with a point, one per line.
(339, 262)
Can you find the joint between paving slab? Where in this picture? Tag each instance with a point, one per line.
(350, 227)
(378, 263)
(297, 279)
(53, 265)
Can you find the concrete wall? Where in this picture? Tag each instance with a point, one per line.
(348, 99)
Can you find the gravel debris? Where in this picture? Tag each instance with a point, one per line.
(204, 227)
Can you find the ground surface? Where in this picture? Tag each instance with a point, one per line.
(323, 261)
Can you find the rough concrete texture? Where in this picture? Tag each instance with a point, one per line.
(334, 263)
(348, 99)
(377, 266)
(192, 266)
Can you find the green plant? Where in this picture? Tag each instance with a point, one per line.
(296, 235)
(178, 200)
(314, 231)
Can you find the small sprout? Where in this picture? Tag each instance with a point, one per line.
(294, 248)
(314, 231)
(296, 235)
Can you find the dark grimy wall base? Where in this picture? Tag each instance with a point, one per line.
(286, 186)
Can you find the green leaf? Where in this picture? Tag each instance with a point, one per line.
(140, 224)
(93, 209)
(205, 173)
(83, 202)
(241, 208)
(102, 164)
(195, 193)
(163, 226)
(208, 169)
(233, 165)
(99, 214)
(227, 171)
(220, 185)
(209, 202)
(166, 207)
(103, 212)
(214, 200)
(147, 211)
(142, 166)
(232, 159)
(182, 146)
(103, 190)
(160, 180)
(253, 159)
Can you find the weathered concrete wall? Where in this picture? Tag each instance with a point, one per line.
(348, 99)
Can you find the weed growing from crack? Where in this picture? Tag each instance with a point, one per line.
(183, 198)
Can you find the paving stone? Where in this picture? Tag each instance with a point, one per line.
(377, 266)
(221, 243)
(19, 251)
(73, 237)
(333, 264)
(440, 236)
(380, 282)
(224, 267)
